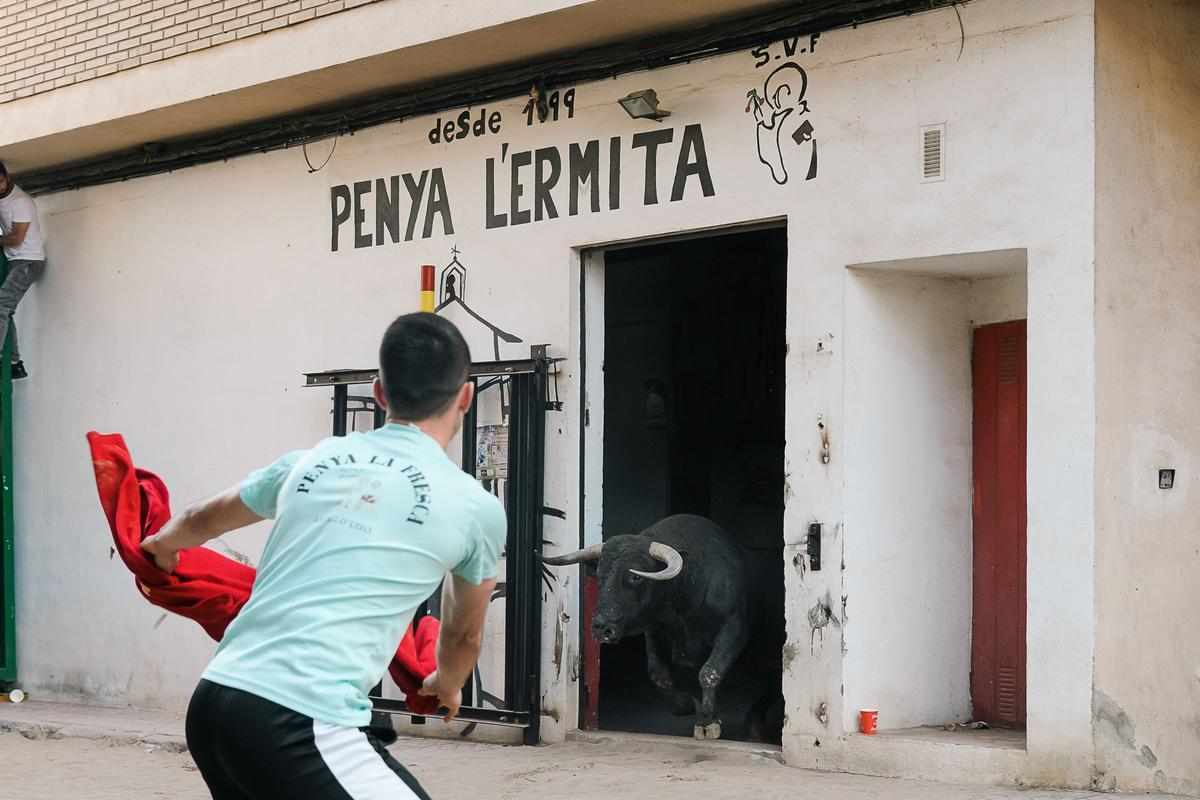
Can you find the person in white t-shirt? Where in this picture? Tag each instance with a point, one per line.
(25, 248)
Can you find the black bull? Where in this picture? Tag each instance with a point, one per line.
(683, 584)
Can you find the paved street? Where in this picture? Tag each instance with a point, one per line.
(53, 751)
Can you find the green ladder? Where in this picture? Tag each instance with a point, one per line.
(8, 592)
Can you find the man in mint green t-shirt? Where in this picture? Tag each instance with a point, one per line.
(366, 527)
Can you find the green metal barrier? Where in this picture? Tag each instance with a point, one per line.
(8, 602)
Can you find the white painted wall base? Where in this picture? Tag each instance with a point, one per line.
(917, 759)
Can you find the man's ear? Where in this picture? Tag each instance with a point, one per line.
(380, 398)
(466, 396)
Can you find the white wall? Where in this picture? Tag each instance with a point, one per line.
(181, 309)
(908, 483)
(908, 498)
(1147, 396)
(998, 298)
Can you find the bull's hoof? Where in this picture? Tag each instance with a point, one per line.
(710, 731)
(683, 705)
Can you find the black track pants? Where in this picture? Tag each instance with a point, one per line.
(248, 748)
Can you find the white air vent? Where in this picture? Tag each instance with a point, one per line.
(933, 153)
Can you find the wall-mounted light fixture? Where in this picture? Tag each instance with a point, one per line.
(643, 105)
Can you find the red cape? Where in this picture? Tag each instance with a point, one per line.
(206, 586)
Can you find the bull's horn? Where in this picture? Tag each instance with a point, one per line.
(586, 554)
(667, 555)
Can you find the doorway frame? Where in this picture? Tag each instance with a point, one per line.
(591, 331)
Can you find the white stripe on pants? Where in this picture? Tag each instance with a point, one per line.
(356, 765)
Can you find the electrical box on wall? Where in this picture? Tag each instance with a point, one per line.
(814, 546)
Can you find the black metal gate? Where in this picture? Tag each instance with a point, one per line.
(509, 458)
(8, 590)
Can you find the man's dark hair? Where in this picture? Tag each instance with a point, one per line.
(3, 170)
(423, 362)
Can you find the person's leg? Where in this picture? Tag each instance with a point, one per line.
(273, 752)
(361, 766)
(395, 766)
(21, 275)
(204, 731)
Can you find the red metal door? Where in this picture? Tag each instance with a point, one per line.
(998, 619)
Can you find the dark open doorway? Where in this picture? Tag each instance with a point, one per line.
(694, 353)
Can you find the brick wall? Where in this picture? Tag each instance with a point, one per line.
(52, 43)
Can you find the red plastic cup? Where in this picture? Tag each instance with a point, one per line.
(868, 718)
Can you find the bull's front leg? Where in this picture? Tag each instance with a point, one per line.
(726, 648)
(658, 666)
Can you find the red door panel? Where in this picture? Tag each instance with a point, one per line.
(998, 618)
(591, 656)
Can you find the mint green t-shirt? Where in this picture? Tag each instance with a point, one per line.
(366, 527)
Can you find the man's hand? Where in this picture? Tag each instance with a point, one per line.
(451, 696)
(460, 637)
(197, 524)
(165, 556)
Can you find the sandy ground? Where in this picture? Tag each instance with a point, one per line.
(50, 769)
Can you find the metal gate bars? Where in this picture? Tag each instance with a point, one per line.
(522, 386)
(8, 620)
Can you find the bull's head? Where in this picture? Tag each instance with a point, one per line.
(629, 568)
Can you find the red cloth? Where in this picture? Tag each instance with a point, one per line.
(206, 586)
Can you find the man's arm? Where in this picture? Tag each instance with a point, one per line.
(17, 236)
(198, 523)
(464, 608)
